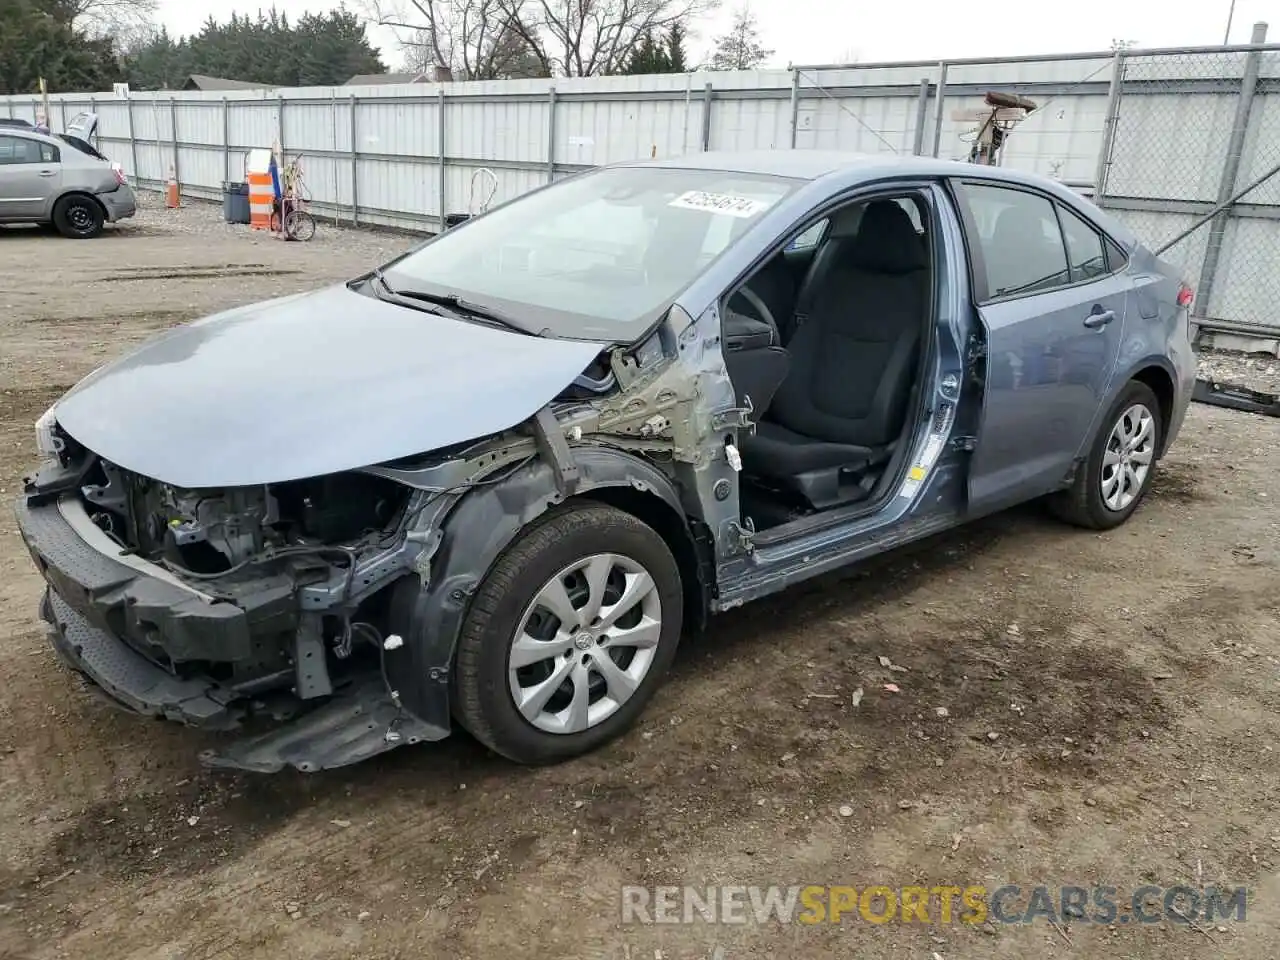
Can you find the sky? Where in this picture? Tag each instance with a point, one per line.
(831, 31)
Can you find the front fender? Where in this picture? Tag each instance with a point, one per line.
(483, 523)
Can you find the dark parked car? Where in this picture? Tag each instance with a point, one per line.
(492, 482)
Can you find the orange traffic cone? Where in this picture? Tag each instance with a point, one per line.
(171, 189)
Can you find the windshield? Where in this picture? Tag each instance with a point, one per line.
(596, 257)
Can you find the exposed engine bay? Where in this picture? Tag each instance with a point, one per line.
(207, 532)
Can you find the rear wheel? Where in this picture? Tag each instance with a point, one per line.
(78, 217)
(568, 636)
(1117, 473)
(299, 225)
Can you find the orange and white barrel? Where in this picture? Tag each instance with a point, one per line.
(261, 200)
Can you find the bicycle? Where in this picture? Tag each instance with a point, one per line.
(296, 223)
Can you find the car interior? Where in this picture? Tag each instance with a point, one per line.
(824, 341)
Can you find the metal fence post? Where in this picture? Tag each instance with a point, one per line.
(280, 125)
(922, 107)
(62, 112)
(226, 140)
(795, 104)
(707, 94)
(551, 135)
(173, 135)
(937, 116)
(1230, 171)
(1114, 93)
(133, 143)
(440, 147)
(355, 166)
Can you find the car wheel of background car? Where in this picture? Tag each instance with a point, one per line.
(1118, 471)
(78, 216)
(568, 636)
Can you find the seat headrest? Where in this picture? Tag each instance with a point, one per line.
(887, 241)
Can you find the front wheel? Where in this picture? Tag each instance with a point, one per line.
(568, 636)
(1117, 473)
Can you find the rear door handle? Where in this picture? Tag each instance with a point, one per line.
(47, 173)
(1099, 318)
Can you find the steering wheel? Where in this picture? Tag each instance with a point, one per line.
(763, 312)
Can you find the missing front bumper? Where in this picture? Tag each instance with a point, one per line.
(93, 593)
(357, 722)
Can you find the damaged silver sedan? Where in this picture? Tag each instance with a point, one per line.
(491, 483)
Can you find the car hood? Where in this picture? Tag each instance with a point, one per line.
(308, 385)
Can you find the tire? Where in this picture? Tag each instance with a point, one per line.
(78, 217)
(299, 225)
(485, 688)
(1083, 503)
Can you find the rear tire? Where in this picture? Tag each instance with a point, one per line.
(299, 225)
(597, 673)
(78, 217)
(1112, 482)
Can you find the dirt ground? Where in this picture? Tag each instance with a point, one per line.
(1075, 709)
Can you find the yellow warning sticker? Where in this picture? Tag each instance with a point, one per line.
(916, 473)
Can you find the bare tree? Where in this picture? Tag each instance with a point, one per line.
(471, 37)
(100, 17)
(583, 38)
(491, 39)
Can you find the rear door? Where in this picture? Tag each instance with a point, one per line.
(30, 174)
(1053, 313)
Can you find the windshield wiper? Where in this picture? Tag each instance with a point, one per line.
(387, 293)
(470, 307)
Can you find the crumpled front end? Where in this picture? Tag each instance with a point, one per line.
(264, 610)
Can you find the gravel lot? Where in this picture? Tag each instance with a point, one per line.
(1075, 709)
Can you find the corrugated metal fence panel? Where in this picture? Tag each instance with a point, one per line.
(398, 192)
(497, 130)
(749, 124)
(254, 124)
(468, 187)
(396, 129)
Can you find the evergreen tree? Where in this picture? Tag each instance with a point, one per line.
(740, 48)
(648, 57)
(676, 56)
(37, 39)
(318, 50)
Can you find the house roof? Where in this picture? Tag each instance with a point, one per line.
(368, 79)
(198, 81)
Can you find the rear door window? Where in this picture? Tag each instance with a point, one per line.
(1085, 253)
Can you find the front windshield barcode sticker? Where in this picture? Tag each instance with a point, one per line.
(725, 203)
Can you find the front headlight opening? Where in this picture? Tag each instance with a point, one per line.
(47, 440)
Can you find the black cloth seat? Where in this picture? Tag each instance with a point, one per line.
(776, 444)
(853, 357)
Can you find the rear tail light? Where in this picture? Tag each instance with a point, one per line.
(119, 172)
(1185, 295)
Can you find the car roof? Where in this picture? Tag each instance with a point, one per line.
(816, 164)
(845, 169)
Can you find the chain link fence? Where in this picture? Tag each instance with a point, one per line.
(1190, 159)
